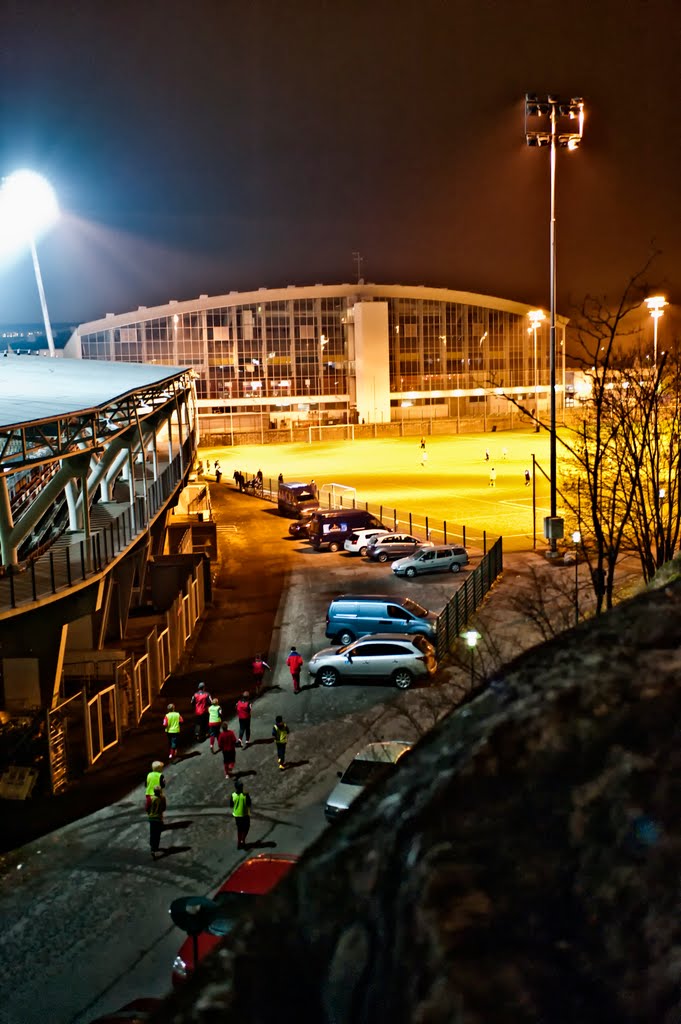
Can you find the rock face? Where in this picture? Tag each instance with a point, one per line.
(524, 864)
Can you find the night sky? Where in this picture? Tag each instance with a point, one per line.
(202, 147)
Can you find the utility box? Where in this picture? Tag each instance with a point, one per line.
(554, 527)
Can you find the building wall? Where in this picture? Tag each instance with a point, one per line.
(292, 355)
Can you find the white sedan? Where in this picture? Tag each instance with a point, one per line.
(359, 540)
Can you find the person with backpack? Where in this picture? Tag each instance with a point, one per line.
(201, 702)
(155, 815)
(258, 665)
(214, 720)
(280, 732)
(295, 665)
(243, 713)
(241, 812)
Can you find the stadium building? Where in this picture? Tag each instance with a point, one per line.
(339, 354)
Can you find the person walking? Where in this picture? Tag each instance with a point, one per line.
(258, 665)
(280, 732)
(227, 744)
(243, 713)
(155, 814)
(201, 702)
(280, 478)
(241, 812)
(424, 458)
(486, 454)
(504, 453)
(171, 723)
(492, 477)
(423, 444)
(154, 778)
(527, 478)
(218, 475)
(214, 721)
(295, 665)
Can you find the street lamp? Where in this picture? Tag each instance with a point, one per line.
(323, 342)
(655, 304)
(550, 121)
(28, 207)
(471, 636)
(536, 318)
(576, 540)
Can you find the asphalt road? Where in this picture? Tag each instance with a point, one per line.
(84, 924)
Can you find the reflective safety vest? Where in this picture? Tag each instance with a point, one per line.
(240, 805)
(280, 733)
(153, 780)
(214, 714)
(173, 721)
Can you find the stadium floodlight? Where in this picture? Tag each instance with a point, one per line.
(655, 304)
(28, 208)
(551, 121)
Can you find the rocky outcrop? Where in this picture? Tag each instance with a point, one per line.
(524, 865)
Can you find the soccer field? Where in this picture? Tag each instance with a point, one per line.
(453, 484)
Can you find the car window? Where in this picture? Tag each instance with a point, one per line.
(374, 650)
(395, 612)
(427, 556)
(361, 773)
(444, 554)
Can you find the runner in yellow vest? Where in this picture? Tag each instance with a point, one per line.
(154, 778)
(241, 812)
(171, 724)
(214, 723)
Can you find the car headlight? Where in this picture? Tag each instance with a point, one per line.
(180, 967)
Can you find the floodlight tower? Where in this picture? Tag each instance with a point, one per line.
(655, 304)
(28, 207)
(557, 123)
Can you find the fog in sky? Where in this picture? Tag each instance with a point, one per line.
(198, 148)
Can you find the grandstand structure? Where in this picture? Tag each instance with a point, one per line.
(93, 460)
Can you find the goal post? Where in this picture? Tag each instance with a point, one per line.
(337, 496)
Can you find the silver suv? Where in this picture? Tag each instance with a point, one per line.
(392, 545)
(375, 762)
(380, 656)
(438, 558)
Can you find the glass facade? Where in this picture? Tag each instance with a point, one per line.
(297, 344)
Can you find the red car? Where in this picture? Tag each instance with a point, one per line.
(253, 877)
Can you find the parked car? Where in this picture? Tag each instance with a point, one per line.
(300, 526)
(353, 615)
(437, 558)
(375, 762)
(382, 656)
(393, 545)
(358, 541)
(254, 877)
(332, 529)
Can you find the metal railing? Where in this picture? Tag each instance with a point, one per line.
(62, 567)
(464, 603)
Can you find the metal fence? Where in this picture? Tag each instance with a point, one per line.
(464, 603)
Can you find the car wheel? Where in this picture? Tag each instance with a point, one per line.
(334, 546)
(346, 637)
(363, 550)
(402, 679)
(410, 572)
(454, 567)
(327, 676)
(383, 557)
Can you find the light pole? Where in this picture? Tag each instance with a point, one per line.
(536, 318)
(471, 636)
(553, 122)
(576, 540)
(28, 207)
(655, 304)
(323, 342)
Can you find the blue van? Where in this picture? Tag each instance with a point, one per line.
(354, 615)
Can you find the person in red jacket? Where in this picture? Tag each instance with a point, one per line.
(227, 744)
(243, 713)
(201, 702)
(259, 665)
(295, 664)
